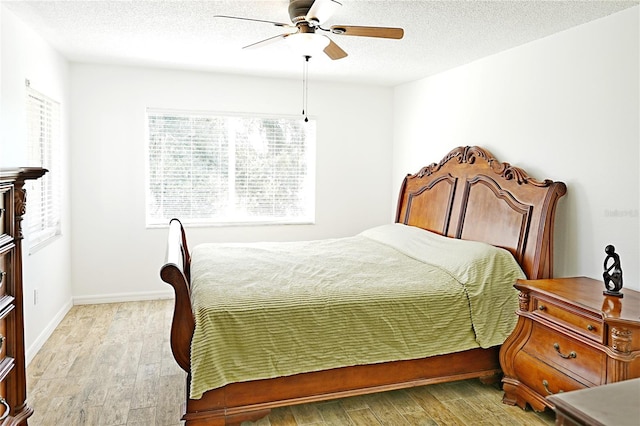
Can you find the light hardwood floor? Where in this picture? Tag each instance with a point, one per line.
(111, 364)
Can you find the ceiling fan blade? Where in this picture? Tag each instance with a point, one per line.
(267, 41)
(321, 10)
(277, 24)
(381, 32)
(334, 51)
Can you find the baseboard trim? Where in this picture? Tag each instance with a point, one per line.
(32, 350)
(122, 297)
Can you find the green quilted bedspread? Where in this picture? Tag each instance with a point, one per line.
(394, 292)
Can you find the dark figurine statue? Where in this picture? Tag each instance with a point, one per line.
(612, 273)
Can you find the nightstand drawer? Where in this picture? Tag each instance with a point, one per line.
(570, 317)
(567, 354)
(542, 378)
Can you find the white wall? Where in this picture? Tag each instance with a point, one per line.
(566, 108)
(116, 258)
(26, 56)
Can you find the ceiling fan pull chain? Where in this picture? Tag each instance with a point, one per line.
(305, 87)
(304, 79)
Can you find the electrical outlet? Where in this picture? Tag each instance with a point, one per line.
(35, 296)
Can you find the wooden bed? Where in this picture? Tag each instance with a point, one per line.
(467, 195)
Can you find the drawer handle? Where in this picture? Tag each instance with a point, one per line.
(6, 409)
(542, 308)
(546, 388)
(2, 340)
(590, 327)
(572, 354)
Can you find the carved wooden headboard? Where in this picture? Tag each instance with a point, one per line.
(471, 195)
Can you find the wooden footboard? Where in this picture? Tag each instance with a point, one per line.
(176, 272)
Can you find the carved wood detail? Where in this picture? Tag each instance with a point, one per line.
(621, 339)
(469, 154)
(523, 301)
(617, 370)
(20, 195)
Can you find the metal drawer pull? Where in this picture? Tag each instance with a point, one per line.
(572, 354)
(546, 387)
(6, 409)
(542, 308)
(2, 340)
(590, 327)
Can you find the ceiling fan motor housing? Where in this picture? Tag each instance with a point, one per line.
(298, 9)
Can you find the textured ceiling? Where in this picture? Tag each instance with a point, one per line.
(439, 35)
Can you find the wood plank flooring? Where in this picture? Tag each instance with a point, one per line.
(111, 364)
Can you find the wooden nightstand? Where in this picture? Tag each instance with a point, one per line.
(569, 336)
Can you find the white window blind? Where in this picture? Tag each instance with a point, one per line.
(43, 195)
(207, 168)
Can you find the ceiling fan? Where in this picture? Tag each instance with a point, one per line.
(306, 28)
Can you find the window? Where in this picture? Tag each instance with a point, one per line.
(43, 220)
(206, 168)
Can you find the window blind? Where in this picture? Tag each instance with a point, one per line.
(208, 168)
(43, 220)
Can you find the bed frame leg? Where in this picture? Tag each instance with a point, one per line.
(493, 380)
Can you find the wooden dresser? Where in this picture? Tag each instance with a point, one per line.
(569, 336)
(13, 386)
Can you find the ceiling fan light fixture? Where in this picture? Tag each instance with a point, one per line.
(307, 44)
